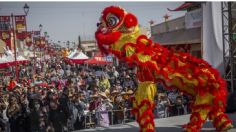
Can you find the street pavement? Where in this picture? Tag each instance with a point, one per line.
(171, 124)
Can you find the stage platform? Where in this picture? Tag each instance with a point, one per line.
(171, 124)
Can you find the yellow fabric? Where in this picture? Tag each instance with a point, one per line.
(126, 38)
(144, 41)
(200, 100)
(146, 90)
(206, 99)
(104, 84)
(129, 51)
(143, 58)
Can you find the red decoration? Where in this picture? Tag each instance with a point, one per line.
(130, 20)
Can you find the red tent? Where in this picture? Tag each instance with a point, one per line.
(100, 59)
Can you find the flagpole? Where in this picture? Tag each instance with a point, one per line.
(26, 10)
(14, 42)
(34, 55)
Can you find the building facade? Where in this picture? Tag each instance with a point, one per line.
(183, 33)
(89, 47)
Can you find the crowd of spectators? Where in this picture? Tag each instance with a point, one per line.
(56, 97)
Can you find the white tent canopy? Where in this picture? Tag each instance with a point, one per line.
(3, 60)
(71, 53)
(79, 55)
(9, 57)
(21, 58)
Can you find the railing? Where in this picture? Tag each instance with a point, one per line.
(92, 118)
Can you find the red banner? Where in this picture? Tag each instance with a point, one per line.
(29, 39)
(20, 27)
(5, 30)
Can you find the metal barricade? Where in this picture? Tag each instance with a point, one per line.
(90, 123)
(92, 118)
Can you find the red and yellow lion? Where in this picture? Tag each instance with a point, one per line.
(118, 33)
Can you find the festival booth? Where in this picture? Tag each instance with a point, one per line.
(79, 57)
(3, 62)
(76, 57)
(9, 60)
(100, 60)
(71, 54)
(22, 60)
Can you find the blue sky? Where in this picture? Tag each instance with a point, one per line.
(66, 20)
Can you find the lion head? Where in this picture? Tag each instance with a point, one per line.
(116, 27)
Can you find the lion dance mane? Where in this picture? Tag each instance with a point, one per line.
(118, 33)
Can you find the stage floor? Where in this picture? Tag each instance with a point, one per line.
(171, 124)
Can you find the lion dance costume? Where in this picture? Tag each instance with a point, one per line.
(118, 33)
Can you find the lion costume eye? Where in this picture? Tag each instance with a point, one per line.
(112, 20)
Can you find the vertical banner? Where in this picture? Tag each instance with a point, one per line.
(20, 27)
(212, 35)
(5, 30)
(29, 39)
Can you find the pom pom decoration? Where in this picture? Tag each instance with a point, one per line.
(130, 20)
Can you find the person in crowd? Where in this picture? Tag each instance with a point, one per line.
(128, 82)
(118, 86)
(180, 104)
(114, 72)
(13, 111)
(172, 95)
(163, 105)
(127, 103)
(3, 121)
(79, 101)
(103, 109)
(103, 83)
(95, 101)
(118, 108)
(12, 84)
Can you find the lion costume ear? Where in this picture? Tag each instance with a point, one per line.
(130, 20)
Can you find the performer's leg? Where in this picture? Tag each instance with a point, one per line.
(143, 106)
(220, 120)
(200, 110)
